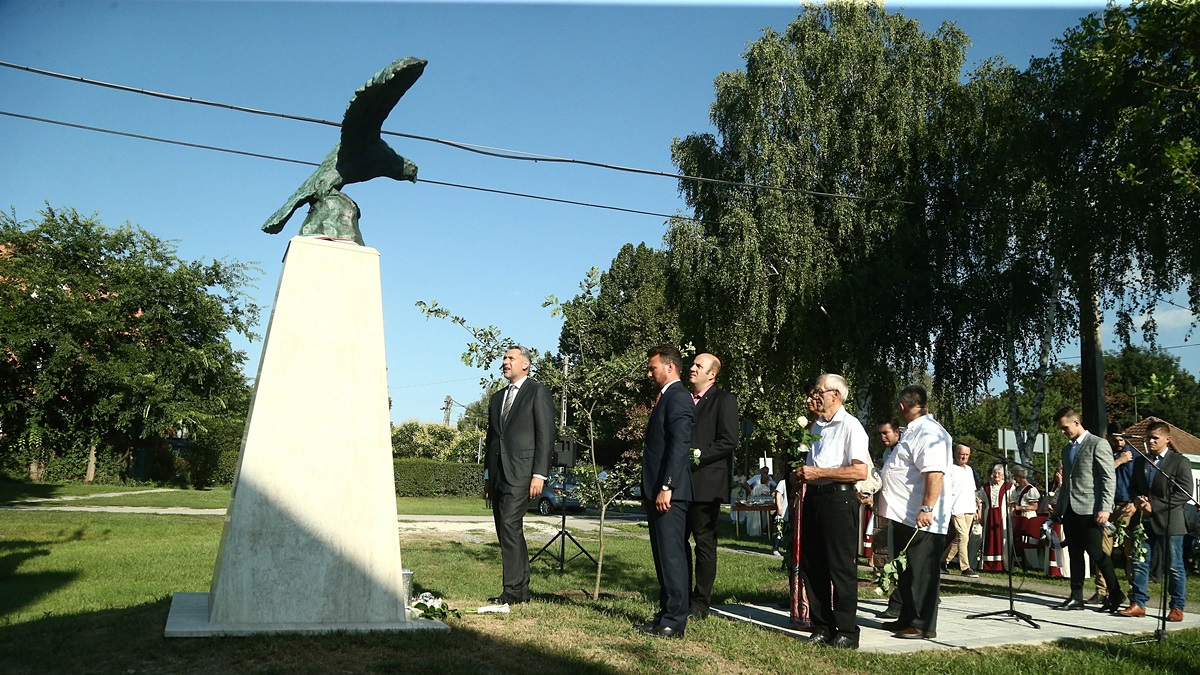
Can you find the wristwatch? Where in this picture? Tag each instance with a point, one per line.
(666, 488)
(926, 509)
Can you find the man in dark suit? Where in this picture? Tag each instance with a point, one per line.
(520, 436)
(715, 437)
(667, 489)
(1159, 506)
(1083, 506)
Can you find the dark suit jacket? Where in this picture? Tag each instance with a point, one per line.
(1162, 521)
(520, 447)
(1089, 480)
(716, 436)
(668, 442)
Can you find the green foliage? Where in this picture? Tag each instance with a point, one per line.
(110, 338)
(430, 478)
(418, 440)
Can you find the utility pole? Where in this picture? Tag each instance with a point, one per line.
(446, 410)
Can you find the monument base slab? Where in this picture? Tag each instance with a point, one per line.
(188, 618)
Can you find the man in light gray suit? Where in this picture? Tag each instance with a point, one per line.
(1084, 502)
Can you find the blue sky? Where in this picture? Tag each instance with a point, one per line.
(608, 82)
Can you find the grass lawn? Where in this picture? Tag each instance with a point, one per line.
(89, 592)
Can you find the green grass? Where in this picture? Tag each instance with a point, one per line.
(13, 491)
(89, 593)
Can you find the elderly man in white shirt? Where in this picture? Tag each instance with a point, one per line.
(837, 461)
(964, 511)
(912, 491)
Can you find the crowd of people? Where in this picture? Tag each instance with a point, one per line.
(925, 500)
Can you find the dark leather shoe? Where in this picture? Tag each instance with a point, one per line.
(914, 633)
(889, 614)
(818, 637)
(658, 631)
(506, 599)
(1175, 615)
(698, 613)
(893, 626)
(1112, 604)
(1097, 599)
(1133, 611)
(1070, 604)
(843, 642)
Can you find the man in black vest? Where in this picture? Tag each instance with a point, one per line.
(714, 438)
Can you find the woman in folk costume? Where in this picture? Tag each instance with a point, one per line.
(1025, 522)
(995, 521)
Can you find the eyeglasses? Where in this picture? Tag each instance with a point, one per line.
(821, 392)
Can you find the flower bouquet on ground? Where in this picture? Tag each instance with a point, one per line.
(426, 606)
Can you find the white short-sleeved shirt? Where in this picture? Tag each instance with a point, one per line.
(959, 486)
(924, 448)
(842, 441)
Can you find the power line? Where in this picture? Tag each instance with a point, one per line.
(1073, 358)
(502, 153)
(510, 193)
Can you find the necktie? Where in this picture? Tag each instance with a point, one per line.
(1152, 470)
(1071, 450)
(508, 399)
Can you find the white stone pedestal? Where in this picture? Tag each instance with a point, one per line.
(310, 542)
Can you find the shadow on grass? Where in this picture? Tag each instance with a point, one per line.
(21, 589)
(1141, 653)
(16, 490)
(131, 640)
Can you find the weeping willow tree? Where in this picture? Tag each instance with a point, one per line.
(830, 261)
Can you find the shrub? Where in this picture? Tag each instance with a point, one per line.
(431, 478)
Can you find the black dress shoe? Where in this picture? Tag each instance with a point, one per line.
(843, 642)
(1070, 604)
(1112, 604)
(818, 637)
(658, 631)
(1097, 599)
(893, 626)
(698, 613)
(506, 599)
(889, 613)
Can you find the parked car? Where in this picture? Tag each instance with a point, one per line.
(559, 493)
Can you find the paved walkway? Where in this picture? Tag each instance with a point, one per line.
(956, 631)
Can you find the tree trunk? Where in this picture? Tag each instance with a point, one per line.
(1091, 369)
(91, 465)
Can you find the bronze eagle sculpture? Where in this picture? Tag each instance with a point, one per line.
(360, 155)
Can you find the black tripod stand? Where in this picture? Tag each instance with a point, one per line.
(1010, 551)
(1012, 608)
(561, 537)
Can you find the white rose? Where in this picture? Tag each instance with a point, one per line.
(805, 447)
(803, 421)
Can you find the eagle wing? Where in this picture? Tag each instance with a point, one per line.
(373, 102)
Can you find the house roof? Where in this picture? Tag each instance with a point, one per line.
(1181, 440)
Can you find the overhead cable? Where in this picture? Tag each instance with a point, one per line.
(215, 148)
(502, 153)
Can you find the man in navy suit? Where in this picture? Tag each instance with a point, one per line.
(715, 437)
(667, 489)
(520, 436)
(1158, 506)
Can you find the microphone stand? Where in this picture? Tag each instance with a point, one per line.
(1160, 633)
(1010, 548)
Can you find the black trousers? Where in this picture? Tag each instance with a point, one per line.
(508, 511)
(1083, 534)
(668, 544)
(920, 582)
(830, 543)
(702, 528)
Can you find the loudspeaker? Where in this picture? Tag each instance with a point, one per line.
(563, 454)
